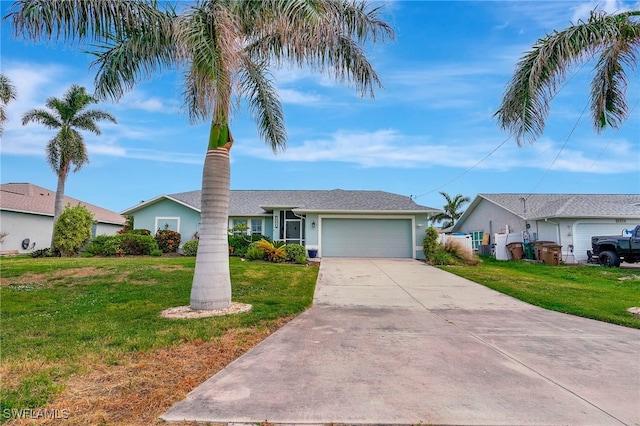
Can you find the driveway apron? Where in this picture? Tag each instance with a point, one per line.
(395, 341)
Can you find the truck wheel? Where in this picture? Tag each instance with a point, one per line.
(610, 259)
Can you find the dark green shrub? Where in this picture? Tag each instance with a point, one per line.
(156, 253)
(137, 244)
(255, 253)
(168, 240)
(112, 245)
(442, 257)
(239, 243)
(139, 232)
(190, 248)
(72, 230)
(302, 259)
(45, 252)
(430, 243)
(294, 251)
(96, 246)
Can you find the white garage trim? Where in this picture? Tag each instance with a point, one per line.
(410, 244)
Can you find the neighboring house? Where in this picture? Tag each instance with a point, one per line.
(569, 220)
(26, 216)
(337, 223)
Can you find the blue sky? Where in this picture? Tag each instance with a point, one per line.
(429, 129)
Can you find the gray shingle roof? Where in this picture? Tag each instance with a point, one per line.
(539, 206)
(255, 203)
(29, 198)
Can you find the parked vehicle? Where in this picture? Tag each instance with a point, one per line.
(610, 250)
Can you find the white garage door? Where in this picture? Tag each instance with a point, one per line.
(366, 238)
(584, 232)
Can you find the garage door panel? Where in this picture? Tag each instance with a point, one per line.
(584, 232)
(366, 238)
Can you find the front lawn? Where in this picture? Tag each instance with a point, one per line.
(590, 291)
(84, 336)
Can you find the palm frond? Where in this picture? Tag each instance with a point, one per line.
(43, 117)
(526, 102)
(264, 104)
(76, 21)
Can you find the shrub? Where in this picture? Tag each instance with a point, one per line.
(156, 253)
(254, 253)
(168, 240)
(190, 248)
(460, 252)
(140, 232)
(302, 259)
(441, 257)
(72, 230)
(430, 243)
(137, 244)
(294, 251)
(239, 243)
(273, 251)
(96, 246)
(45, 252)
(112, 245)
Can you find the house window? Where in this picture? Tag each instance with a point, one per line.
(239, 225)
(476, 239)
(256, 226)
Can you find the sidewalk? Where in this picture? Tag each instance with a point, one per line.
(399, 342)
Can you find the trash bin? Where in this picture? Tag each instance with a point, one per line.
(528, 251)
(538, 248)
(516, 250)
(551, 254)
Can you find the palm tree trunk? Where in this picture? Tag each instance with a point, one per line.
(211, 287)
(58, 206)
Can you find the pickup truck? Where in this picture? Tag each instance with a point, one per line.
(611, 249)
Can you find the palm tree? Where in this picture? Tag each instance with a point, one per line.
(614, 39)
(66, 149)
(451, 211)
(225, 48)
(7, 94)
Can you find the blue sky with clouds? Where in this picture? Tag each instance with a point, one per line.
(429, 129)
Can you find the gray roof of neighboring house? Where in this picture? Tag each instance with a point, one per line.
(540, 206)
(33, 199)
(259, 202)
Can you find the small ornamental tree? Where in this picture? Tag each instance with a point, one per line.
(430, 245)
(72, 230)
(168, 240)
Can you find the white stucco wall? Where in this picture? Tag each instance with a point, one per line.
(37, 228)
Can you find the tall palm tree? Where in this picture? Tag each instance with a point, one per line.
(451, 211)
(613, 39)
(7, 94)
(226, 49)
(66, 149)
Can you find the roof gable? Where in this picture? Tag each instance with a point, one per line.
(29, 198)
(541, 206)
(260, 202)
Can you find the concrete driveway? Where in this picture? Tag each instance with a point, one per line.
(399, 342)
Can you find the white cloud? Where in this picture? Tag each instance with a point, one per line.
(392, 149)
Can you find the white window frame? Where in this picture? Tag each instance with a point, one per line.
(160, 219)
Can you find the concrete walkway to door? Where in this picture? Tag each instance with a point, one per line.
(399, 342)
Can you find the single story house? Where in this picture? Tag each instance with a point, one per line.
(337, 222)
(568, 220)
(26, 217)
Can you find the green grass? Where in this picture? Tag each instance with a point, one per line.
(58, 313)
(594, 292)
